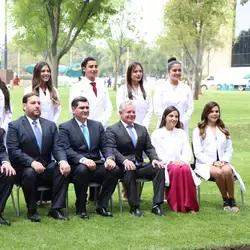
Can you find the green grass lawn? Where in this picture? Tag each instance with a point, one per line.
(210, 228)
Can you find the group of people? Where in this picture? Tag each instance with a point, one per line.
(84, 149)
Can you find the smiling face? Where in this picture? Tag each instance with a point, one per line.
(175, 72)
(171, 120)
(214, 115)
(91, 70)
(128, 114)
(81, 112)
(136, 74)
(45, 74)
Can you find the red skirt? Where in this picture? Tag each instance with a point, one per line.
(181, 194)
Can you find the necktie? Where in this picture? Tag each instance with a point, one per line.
(85, 133)
(132, 135)
(94, 87)
(38, 134)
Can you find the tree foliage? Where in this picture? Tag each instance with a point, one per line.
(51, 27)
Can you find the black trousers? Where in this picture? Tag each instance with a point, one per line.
(50, 177)
(6, 185)
(147, 171)
(81, 175)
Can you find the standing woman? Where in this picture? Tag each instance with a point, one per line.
(134, 90)
(213, 153)
(172, 146)
(5, 109)
(174, 93)
(49, 96)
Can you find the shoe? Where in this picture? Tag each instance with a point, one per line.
(226, 204)
(136, 212)
(83, 215)
(233, 205)
(56, 214)
(103, 212)
(33, 215)
(4, 222)
(157, 211)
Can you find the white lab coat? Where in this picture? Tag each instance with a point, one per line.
(5, 117)
(205, 152)
(180, 97)
(100, 106)
(49, 110)
(144, 108)
(173, 146)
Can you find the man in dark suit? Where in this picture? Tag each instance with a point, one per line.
(129, 140)
(31, 140)
(7, 176)
(83, 139)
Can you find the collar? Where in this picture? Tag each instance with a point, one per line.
(126, 125)
(80, 123)
(30, 120)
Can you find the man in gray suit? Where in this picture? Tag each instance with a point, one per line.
(7, 176)
(31, 140)
(128, 141)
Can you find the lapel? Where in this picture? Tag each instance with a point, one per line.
(92, 132)
(78, 131)
(44, 133)
(139, 134)
(30, 131)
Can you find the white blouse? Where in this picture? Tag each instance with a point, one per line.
(179, 96)
(144, 108)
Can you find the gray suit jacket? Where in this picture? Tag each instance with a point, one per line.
(119, 140)
(22, 145)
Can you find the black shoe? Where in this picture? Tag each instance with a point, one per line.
(157, 210)
(136, 212)
(56, 214)
(33, 215)
(103, 212)
(83, 215)
(4, 222)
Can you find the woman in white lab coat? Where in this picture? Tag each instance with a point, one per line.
(5, 109)
(49, 96)
(135, 90)
(172, 146)
(174, 93)
(213, 153)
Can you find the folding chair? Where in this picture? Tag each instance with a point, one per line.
(138, 180)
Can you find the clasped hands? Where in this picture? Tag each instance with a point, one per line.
(63, 166)
(109, 164)
(219, 164)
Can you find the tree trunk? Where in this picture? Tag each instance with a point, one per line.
(198, 71)
(54, 69)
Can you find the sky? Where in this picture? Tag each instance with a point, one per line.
(151, 24)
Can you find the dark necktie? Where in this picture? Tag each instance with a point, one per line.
(94, 87)
(38, 134)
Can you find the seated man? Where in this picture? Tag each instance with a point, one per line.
(129, 140)
(83, 139)
(31, 140)
(7, 173)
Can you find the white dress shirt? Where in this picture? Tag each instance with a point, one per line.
(32, 125)
(49, 110)
(179, 96)
(144, 108)
(133, 129)
(100, 106)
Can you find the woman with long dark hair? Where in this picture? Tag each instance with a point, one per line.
(213, 153)
(174, 92)
(134, 90)
(5, 109)
(49, 96)
(172, 146)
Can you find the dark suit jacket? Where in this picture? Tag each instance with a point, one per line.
(3, 153)
(22, 145)
(75, 145)
(119, 140)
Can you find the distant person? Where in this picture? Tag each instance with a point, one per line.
(5, 109)
(7, 179)
(49, 95)
(31, 141)
(172, 146)
(174, 93)
(83, 140)
(109, 82)
(93, 88)
(129, 140)
(213, 153)
(16, 81)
